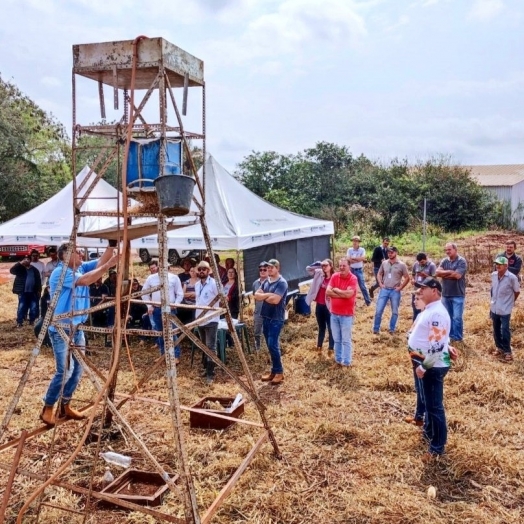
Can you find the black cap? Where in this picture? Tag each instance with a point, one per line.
(431, 283)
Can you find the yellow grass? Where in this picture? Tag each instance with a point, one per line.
(348, 457)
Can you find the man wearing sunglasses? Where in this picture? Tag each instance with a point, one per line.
(257, 317)
(272, 294)
(205, 292)
(73, 297)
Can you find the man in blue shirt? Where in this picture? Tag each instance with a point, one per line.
(74, 296)
(272, 294)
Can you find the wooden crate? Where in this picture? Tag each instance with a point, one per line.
(204, 421)
(140, 487)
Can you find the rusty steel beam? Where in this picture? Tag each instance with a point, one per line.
(12, 473)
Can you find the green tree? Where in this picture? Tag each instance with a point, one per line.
(455, 201)
(34, 153)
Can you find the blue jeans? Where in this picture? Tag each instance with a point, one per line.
(27, 302)
(435, 428)
(455, 308)
(324, 321)
(359, 273)
(272, 329)
(159, 326)
(501, 332)
(73, 375)
(341, 326)
(384, 296)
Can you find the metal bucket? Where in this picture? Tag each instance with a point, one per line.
(301, 307)
(174, 193)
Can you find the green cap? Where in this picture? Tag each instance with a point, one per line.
(501, 261)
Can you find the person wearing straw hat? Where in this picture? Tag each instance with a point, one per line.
(429, 352)
(505, 289)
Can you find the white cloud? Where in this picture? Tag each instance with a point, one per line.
(485, 9)
(50, 81)
(402, 21)
(293, 27)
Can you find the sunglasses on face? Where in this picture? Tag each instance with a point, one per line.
(202, 268)
(263, 269)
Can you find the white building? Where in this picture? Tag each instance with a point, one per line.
(506, 182)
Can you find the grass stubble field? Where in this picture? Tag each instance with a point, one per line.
(348, 457)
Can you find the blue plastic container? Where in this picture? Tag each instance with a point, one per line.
(301, 307)
(143, 161)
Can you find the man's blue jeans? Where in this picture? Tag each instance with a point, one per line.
(501, 332)
(159, 326)
(384, 296)
(455, 308)
(324, 321)
(272, 329)
(27, 302)
(341, 326)
(359, 273)
(435, 428)
(73, 374)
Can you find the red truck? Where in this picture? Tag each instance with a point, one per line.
(11, 252)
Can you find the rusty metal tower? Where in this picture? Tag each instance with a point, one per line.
(154, 68)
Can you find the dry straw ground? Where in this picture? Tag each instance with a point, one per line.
(348, 457)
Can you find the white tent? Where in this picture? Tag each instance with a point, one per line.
(51, 223)
(238, 219)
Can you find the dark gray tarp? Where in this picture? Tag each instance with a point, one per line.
(293, 255)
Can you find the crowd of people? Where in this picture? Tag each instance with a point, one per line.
(438, 309)
(437, 305)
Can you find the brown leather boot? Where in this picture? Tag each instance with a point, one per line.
(278, 378)
(66, 411)
(48, 415)
(268, 377)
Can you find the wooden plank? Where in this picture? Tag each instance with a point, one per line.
(226, 490)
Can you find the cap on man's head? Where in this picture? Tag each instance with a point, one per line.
(431, 283)
(263, 264)
(273, 262)
(356, 237)
(393, 248)
(501, 261)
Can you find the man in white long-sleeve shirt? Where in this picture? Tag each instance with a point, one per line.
(205, 291)
(175, 296)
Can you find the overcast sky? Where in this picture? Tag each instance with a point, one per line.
(387, 78)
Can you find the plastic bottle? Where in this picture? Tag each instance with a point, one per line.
(235, 403)
(115, 458)
(108, 476)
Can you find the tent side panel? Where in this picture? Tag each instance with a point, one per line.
(293, 255)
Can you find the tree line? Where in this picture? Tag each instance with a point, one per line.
(327, 181)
